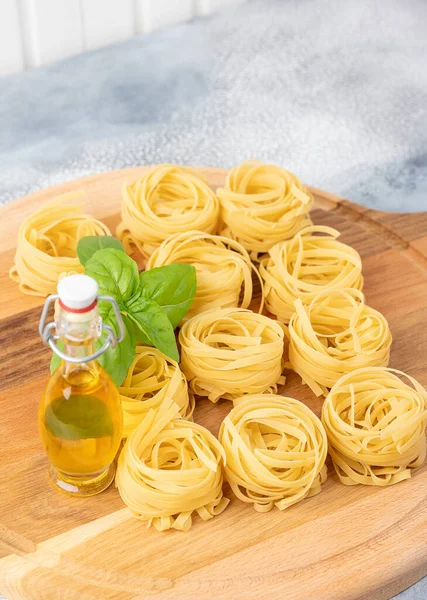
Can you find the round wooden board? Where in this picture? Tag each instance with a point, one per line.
(345, 543)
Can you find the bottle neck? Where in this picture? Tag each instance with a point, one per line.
(78, 332)
(78, 349)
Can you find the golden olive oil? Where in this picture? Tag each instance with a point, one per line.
(80, 424)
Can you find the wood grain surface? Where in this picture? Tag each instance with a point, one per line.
(346, 543)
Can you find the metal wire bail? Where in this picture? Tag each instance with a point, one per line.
(50, 339)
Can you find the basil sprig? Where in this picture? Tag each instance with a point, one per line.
(152, 304)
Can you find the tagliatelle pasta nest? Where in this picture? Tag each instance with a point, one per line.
(313, 261)
(47, 244)
(336, 334)
(168, 199)
(229, 352)
(375, 424)
(275, 451)
(223, 267)
(261, 205)
(169, 469)
(152, 379)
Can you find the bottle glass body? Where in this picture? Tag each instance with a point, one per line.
(80, 416)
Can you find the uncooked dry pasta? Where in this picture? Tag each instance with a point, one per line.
(224, 269)
(375, 424)
(275, 451)
(168, 199)
(263, 204)
(47, 244)
(229, 352)
(336, 334)
(314, 260)
(169, 469)
(151, 380)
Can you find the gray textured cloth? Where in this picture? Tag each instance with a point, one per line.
(335, 91)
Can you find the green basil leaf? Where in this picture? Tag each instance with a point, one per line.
(78, 417)
(116, 361)
(154, 323)
(55, 361)
(173, 288)
(90, 244)
(116, 274)
(140, 336)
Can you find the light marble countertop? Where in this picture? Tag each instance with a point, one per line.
(334, 91)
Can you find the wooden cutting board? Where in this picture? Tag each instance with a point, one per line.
(345, 543)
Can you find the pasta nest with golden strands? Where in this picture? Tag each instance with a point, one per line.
(262, 204)
(313, 261)
(169, 469)
(230, 352)
(275, 451)
(375, 424)
(336, 334)
(47, 244)
(168, 199)
(152, 378)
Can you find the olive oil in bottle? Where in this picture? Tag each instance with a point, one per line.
(80, 417)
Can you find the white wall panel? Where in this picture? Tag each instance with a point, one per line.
(52, 29)
(106, 21)
(11, 55)
(154, 14)
(37, 32)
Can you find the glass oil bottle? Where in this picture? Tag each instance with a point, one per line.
(80, 417)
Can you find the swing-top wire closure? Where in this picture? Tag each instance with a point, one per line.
(49, 338)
